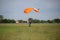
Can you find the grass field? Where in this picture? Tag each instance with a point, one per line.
(24, 32)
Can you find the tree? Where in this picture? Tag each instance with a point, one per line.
(11, 21)
(1, 18)
(5, 20)
(24, 21)
(57, 20)
(36, 21)
(20, 21)
(8, 21)
(42, 21)
(49, 21)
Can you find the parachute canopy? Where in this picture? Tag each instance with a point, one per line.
(28, 10)
(36, 10)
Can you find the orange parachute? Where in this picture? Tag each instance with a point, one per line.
(28, 10)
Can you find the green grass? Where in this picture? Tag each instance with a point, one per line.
(24, 32)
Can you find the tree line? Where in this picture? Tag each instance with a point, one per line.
(57, 20)
(2, 20)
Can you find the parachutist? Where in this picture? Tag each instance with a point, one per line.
(29, 24)
(30, 21)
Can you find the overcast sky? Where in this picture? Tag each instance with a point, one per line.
(13, 9)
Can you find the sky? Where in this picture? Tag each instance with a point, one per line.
(14, 9)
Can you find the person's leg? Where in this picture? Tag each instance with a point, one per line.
(30, 24)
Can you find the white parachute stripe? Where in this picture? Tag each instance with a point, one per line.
(35, 9)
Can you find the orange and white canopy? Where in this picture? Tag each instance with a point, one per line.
(28, 10)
